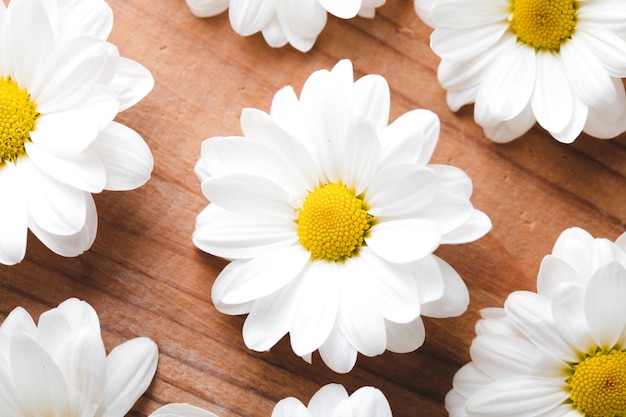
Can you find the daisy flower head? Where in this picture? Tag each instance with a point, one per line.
(332, 400)
(330, 217)
(59, 367)
(556, 353)
(555, 62)
(284, 21)
(61, 86)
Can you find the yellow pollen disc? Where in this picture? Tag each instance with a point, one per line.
(333, 223)
(543, 24)
(598, 385)
(17, 119)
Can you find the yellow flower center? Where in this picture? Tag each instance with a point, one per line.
(333, 222)
(17, 119)
(543, 24)
(598, 385)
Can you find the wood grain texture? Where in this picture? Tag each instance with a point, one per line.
(145, 278)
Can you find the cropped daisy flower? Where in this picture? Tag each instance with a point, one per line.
(284, 21)
(332, 400)
(559, 352)
(331, 217)
(555, 62)
(61, 86)
(59, 367)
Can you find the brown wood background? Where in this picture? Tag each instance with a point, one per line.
(145, 278)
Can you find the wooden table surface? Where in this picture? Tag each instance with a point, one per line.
(144, 276)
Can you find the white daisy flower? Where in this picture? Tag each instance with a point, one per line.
(559, 352)
(59, 367)
(555, 62)
(331, 218)
(284, 21)
(332, 400)
(61, 85)
(181, 410)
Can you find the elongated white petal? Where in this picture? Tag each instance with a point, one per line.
(131, 82)
(301, 23)
(405, 337)
(402, 241)
(455, 298)
(13, 216)
(372, 100)
(290, 407)
(86, 18)
(181, 410)
(324, 401)
(318, 303)
(359, 156)
(410, 138)
(460, 44)
(469, 379)
(554, 272)
(130, 369)
(370, 402)
(459, 13)
(552, 100)
(18, 321)
(475, 227)
(345, 9)
(337, 353)
(604, 305)
(567, 309)
(39, 381)
(125, 157)
(206, 8)
(250, 16)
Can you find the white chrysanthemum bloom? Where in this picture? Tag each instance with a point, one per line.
(284, 21)
(59, 367)
(331, 218)
(555, 62)
(332, 400)
(560, 352)
(181, 410)
(61, 85)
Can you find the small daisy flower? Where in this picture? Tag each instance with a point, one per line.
(330, 217)
(559, 352)
(555, 62)
(61, 86)
(181, 410)
(332, 400)
(284, 21)
(59, 367)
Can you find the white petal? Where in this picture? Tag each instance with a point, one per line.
(316, 312)
(274, 35)
(87, 18)
(243, 281)
(608, 121)
(553, 272)
(460, 44)
(10, 403)
(38, 379)
(83, 170)
(130, 369)
(609, 48)
(76, 243)
(29, 48)
(447, 211)
(337, 353)
(290, 407)
(422, 8)
(552, 100)
(359, 155)
(406, 337)
(249, 193)
(345, 9)
(587, 76)
(74, 130)
(469, 379)
(604, 305)
(301, 22)
(270, 319)
(402, 241)
(77, 314)
(181, 410)
(131, 82)
(569, 314)
(372, 100)
(455, 297)
(401, 189)
(326, 399)
(206, 8)
(359, 319)
(455, 403)
(53, 206)
(508, 130)
(411, 138)
(125, 156)
(461, 13)
(13, 217)
(472, 229)
(240, 235)
(18, 321)
(517, 397)
(370, 402)
(70, 74)
(575, 126)
(532, 315)
(428, 276)
(453, 180)
(250, 16)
